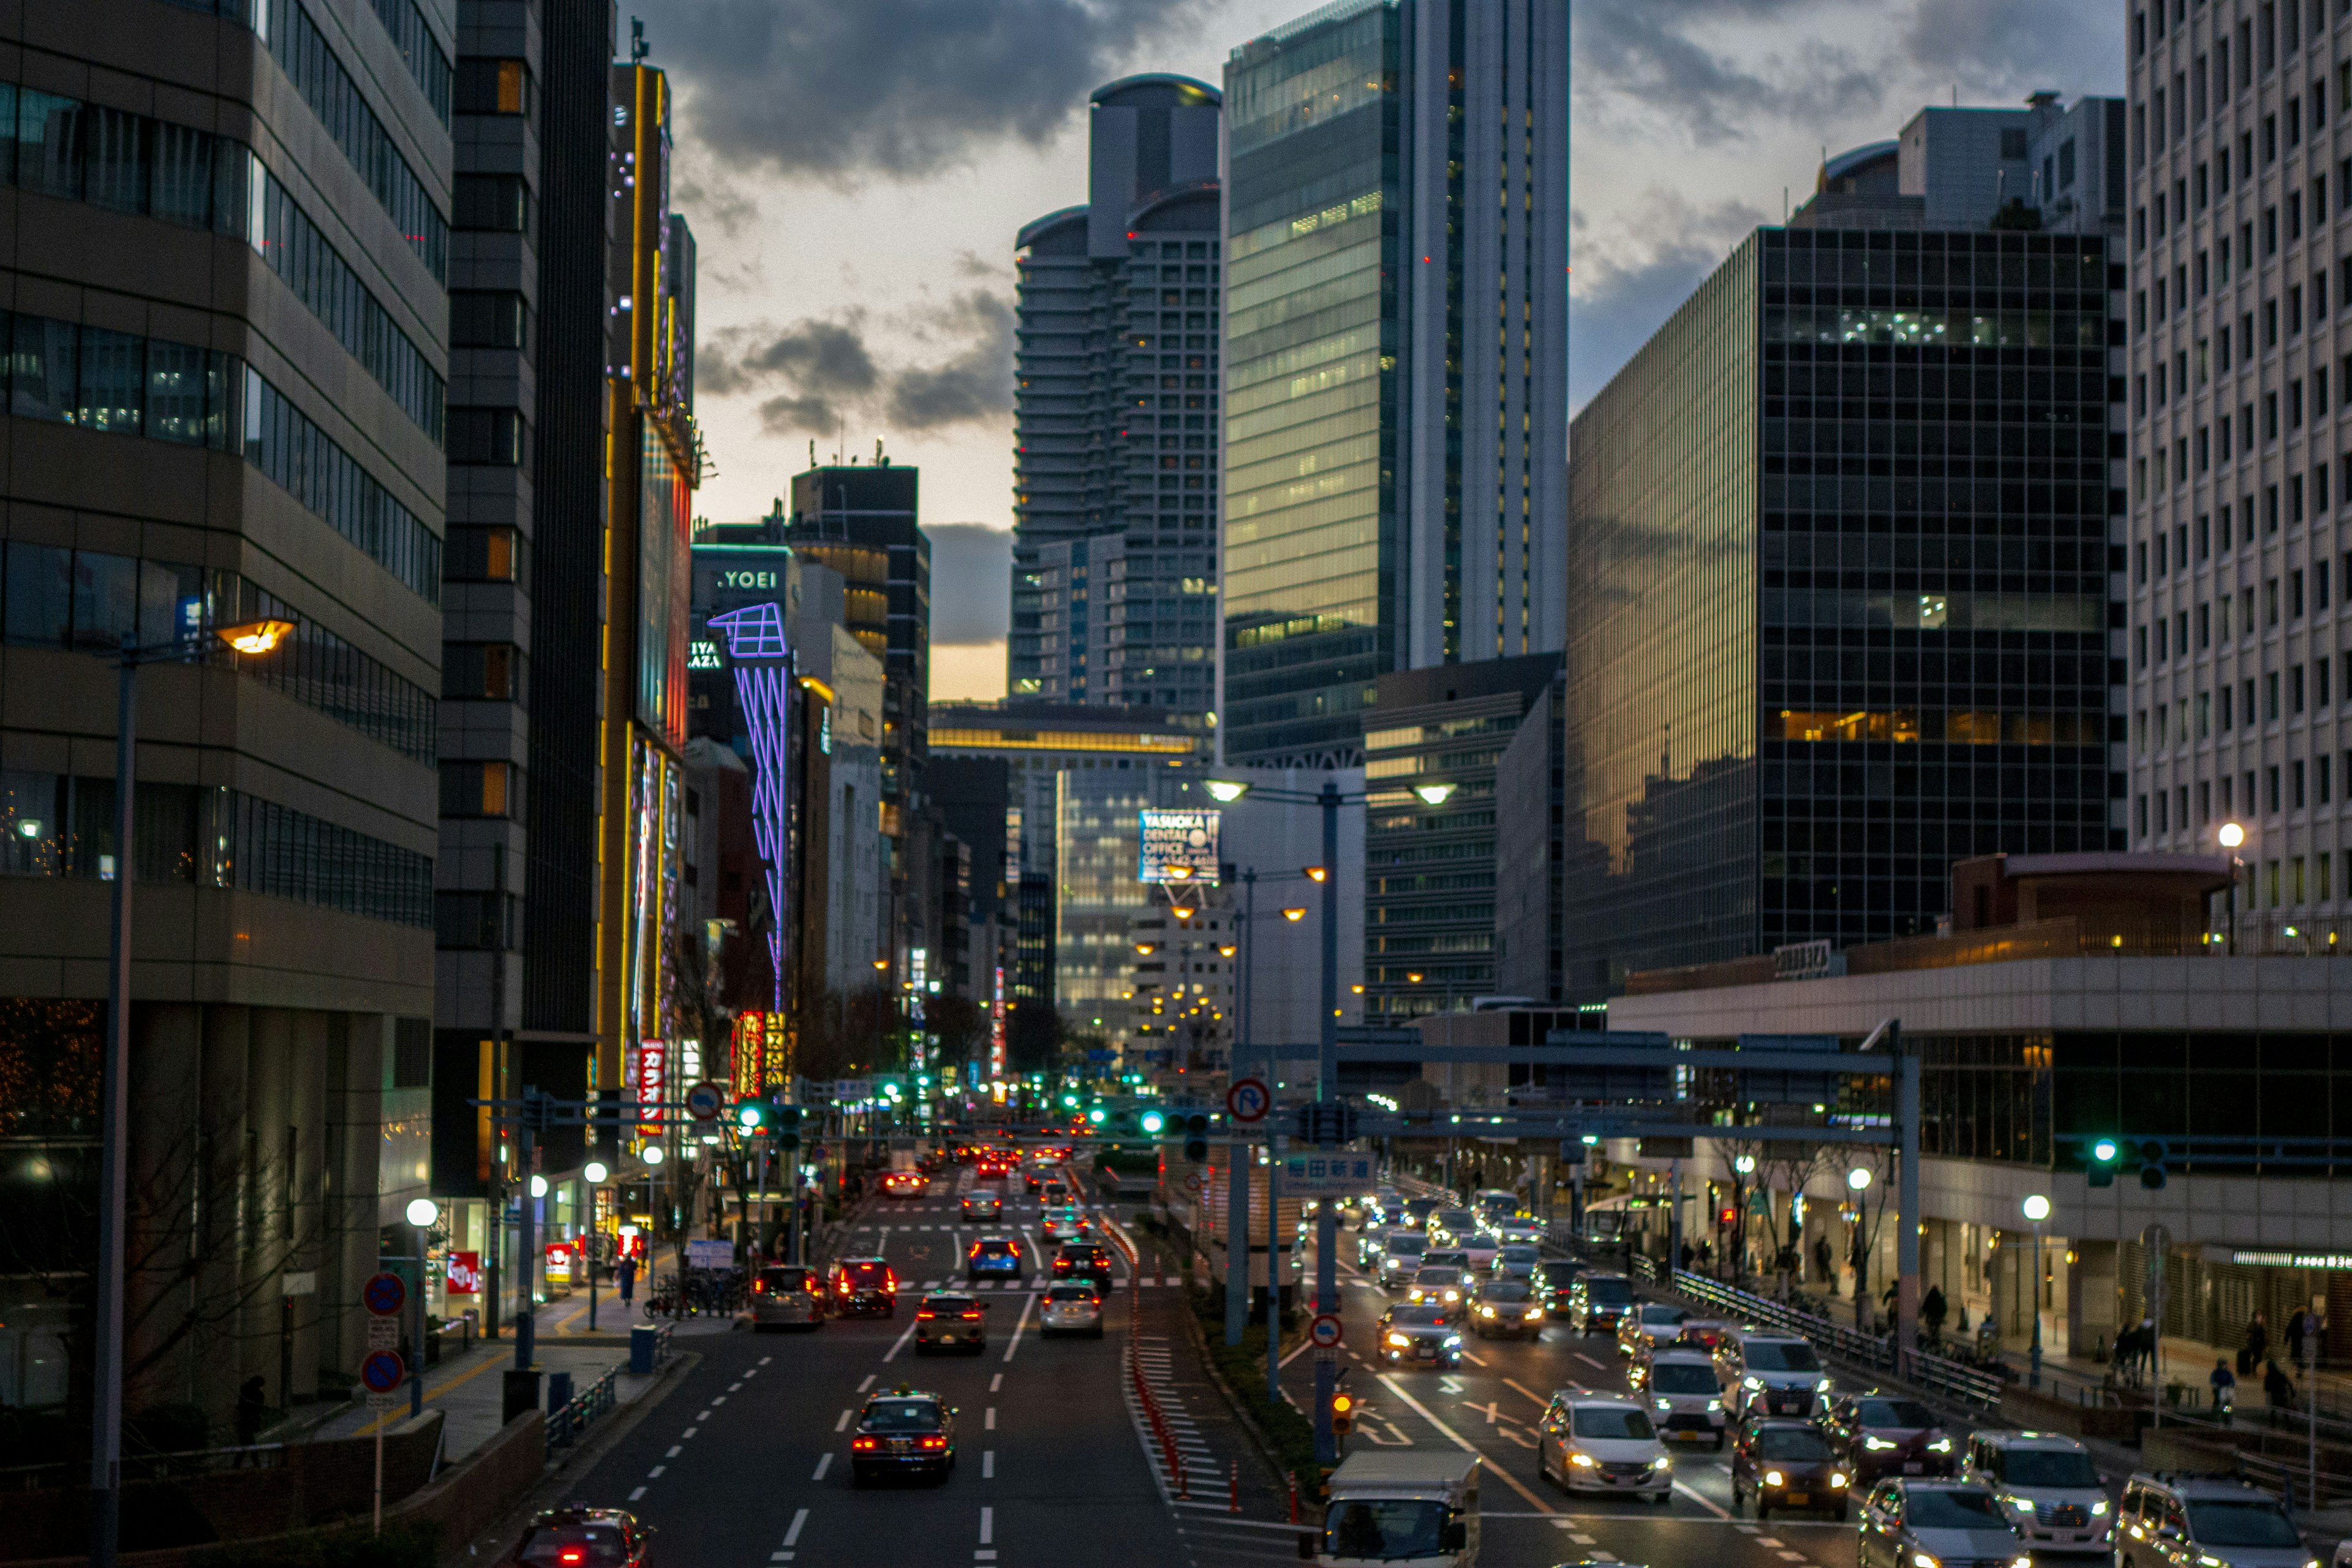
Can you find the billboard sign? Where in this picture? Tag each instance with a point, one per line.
(652, 1080)
(1179, 847)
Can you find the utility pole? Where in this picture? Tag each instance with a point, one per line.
(1327, 1093)
(1237, 1149)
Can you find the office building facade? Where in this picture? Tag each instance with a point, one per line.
(1838, 576)
(2235, 568)
(1395, 355)
(229, 248)
(1114, 414)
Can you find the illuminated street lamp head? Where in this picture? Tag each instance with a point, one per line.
(1745, 1164)
(1857, 1178)
(539, 1186)
(1294, 915)
(2231, 835)
(653, 1155)
(881, 963)
(1411, 979)
(1177, 873)
(1181, 912)
(1225, 792)
(1147, 948)
(1316, 873)
(1433, 794)
(595, 1171)
(1227, 952)
(256, 637)
(423, 1211)
(2037, 1208)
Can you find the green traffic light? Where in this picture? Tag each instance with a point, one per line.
(2105, 1151)
(749, 1114)
(1153, 1121)
(1095, 1116)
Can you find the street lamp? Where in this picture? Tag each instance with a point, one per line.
(593, 1173)
(106, 1384)
(1858, 1179)
(2037, 1209)
(2231, 835)
(653, 1155)
(422, 1213)
(1745, 1164)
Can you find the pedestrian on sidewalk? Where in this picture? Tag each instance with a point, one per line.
(2278, 1388)
(2225, 1389)
(2257, 1347)
(249, 1406)
(1932, 1308)
(2296, 1327)
(627, 1274)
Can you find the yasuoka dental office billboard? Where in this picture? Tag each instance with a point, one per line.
(1179, 847)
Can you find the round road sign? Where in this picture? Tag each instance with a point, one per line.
(385, 1294)
(1195, 1182)
(382, 1372)
(1325, 1331)
(1249, 1099)
(704, 1101)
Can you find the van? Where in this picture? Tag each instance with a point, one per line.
(2174, 1520)
(1389, 1507)
(2047, 1486)
(1771, 1374)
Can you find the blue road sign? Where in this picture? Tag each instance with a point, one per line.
(382, 1372)
(385, 1294)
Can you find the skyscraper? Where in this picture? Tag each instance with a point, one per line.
(1395, 354)
(2235, 566)
(1114, 414)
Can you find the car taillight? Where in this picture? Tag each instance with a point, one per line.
(864, 1444)
(572, 1554)
(845, 1287)
(972, 1316)
(926, 1312)
(935, 1442)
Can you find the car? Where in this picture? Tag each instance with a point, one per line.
(1426, 1335)
(1084, 1260)
(1370, 1243)
(1481, 1249)
(1054, 1191)
(1703, 1334)
(1685, 1400)
(1446, 1257)
(981, 1205)
(1506, 1309)
(1448, 1227)
(1647, 1324)
(903, 1432)
(582, 1538)
(949, 1319)
(858, 1286)
(2167, 1518)
(1059, 1224)
(1439, 1284)
(1595, 1303)
(905, 1184)
(1516, 1262)
(1414, 1213)
(1032, 1178)
(1878, 1435)
(1071, 1307)
(2047, 1485)
(1495, 1204)
(1787, 1463)
(1770, 1374)
(787, 1294)
(1910, 1519)
(994, 1258)
(1589, 1442)
(1401, 1255)
(1519, 1233)
(1560, 1277)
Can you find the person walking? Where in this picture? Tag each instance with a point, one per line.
(2257, 1347)
(2278, 1390)
(2296, 1327)
(2225, 1389)
(249, 1408)
(627, 1275)
(1932, 1308)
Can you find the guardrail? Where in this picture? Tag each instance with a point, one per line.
(565, 1425)
(1956, 1380)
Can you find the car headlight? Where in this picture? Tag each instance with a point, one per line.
(1821, 1385)
(1921, 1560)
(2205, 1562)
(1662, 1463)
(2099, 1508)
(1486, 1311)
(1453, 1295)
(1452, 1340)
(1583, 1459)
(1713, 1406)
(2024, 1503)
(1837, 1478)
(2021, 1563)
(1665, 1404)
(1876, 1445)
(1774, 1478)
(1532, 1312)
(1944, 1446)
(1399, 1340)
(1752, 1382)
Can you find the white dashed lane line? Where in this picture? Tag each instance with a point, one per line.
(824, 1463)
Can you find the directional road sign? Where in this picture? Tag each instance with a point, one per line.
(382, 1372)
(704, 1101)
(1325, 1331)
(1249, 1099)
(385, 1295)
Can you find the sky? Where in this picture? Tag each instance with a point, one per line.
(855, 171)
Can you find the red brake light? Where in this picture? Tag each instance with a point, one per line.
(861, 1445)
(926, 1312)
(974, 1314)
(935, 1442)
(572, 1554)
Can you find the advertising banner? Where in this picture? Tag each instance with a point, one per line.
(1179, 847)
(465, 1276)
(652, 1081)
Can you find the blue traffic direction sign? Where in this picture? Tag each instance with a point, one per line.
(385, 1294)
(382, 1372)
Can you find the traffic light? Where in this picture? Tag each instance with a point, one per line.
(1343, 1414)
(1196, 1137)
(2153, 1152)
(788, 1126)
(751, 1115)
(1153, 1121)
(2106, 1154)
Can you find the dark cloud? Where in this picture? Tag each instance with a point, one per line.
(2002, 49)
(1654, 57)
(801, 417)
(1628, 289)
(836, 89)
(971, 565)
(820, 357)
(975, 384)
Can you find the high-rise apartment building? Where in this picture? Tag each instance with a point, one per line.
(1114, 414)
(2233, 569)
(1395, 357)
(1838, 580)
(228, 250)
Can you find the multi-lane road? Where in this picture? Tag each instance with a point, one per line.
(746, 1461)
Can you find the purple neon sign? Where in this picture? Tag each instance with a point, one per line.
(755, 642)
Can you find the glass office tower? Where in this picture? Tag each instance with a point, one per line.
(1838, 572)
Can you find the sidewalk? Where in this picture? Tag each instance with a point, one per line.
(2191, 1364)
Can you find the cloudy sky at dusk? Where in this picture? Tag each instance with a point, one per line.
(856, 172)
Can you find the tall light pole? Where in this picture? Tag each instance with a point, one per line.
(1327, 1069)
(114, 1095)
(2231, 835)
(421, 1213)
(2037, 1209)
(593, 1173)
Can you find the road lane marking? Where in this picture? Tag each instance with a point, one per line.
(1596, 1366)
(793, 1536)
(718, 1399)
(994, 1384)
(1028, 1303)
(1489, 1410)
(690, 1432)
(1531, 1394)
(737, 1386)
(1389, 1382)
(763, 1360)
(1706, 1504)
(675, 1450)
(867, 1383)
(749, 1372)
(988, 1464)
(1768, 1541)
(655, 1474)
(987, 1526)
(824, 1463)
(636, 1494)
(1294, 1355)
(701, 1418)
(1473, 1356)
(843, 1425)
(988, 1420)
(892, 1354)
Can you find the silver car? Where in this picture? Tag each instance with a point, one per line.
(787, 1294)
(1401, 1256)
(1914, 1521)
(1072, 1306)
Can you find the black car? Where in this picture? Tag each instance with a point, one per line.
(903, 1432)
(1596, 1302)
(1083, 1261)
(582, 1538)
(1787, 1463)
(1505, 1309)
(1882, 1434)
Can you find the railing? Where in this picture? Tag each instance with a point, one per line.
(147, 1467)
(565, 1425)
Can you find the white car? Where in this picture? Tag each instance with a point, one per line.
(1596, 1443)
(2048, 1486)
(1071, 1307)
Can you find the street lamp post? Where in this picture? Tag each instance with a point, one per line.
(594, 1173)
(421, 1213)
(114, 1102)
(2037, 1209)
(2231, 835)
(1857, 1180)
